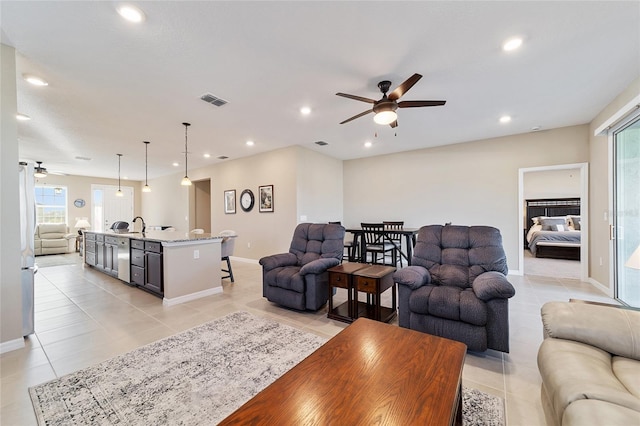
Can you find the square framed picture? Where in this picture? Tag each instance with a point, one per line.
(265, 195)
(230, 201)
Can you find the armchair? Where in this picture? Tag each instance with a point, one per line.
(53, 238)
(299, 279)
(456, 286)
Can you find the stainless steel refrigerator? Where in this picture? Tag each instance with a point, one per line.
(27, 257)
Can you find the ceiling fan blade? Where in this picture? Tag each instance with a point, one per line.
(357, 116)
(404, 87)
(394, 124)
(357, 98)
(414, 104)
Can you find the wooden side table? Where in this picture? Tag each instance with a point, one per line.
(374, 280)
(341, 276)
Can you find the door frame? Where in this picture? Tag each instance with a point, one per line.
(584, 213)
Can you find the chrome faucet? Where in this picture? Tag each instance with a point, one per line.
(143, 224)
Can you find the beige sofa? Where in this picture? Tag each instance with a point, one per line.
(590, 364)
(53, 238)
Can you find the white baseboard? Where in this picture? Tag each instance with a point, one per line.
(244, 259)
(192, 296)
(11, 345)
(606, 290)
(516, 272)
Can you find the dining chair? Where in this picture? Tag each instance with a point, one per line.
(226, 250)
(350, 245)
(376, 244)
(394, 237)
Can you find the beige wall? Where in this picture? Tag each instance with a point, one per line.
(473, 183)
(306, 183)
(551, 184)
(599, 189)
(10, 289)
(80, 187)
(319, 192)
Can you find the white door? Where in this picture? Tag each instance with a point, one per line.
(108, 208)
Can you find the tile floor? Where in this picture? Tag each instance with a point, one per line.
(84, 317)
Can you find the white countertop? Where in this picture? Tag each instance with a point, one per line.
(165, 236)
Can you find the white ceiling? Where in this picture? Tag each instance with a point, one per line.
(113, 84)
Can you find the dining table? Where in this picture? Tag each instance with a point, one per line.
(409, 235)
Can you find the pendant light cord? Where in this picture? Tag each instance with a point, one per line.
(119, 156)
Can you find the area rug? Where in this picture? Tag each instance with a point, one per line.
(197, 377)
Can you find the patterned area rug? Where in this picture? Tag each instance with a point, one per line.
(197, 377)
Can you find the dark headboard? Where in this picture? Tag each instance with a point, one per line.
(551, 207)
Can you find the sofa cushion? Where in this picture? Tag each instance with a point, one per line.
(614, 330)
(57, 243)
(448, 302)
(52, 230)
(287, 277)
(594, 412)
(628, 372)
(573, 371)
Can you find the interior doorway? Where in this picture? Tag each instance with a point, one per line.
(578, 170)
(202, 205)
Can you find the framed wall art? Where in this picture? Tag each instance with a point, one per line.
(265, 195)
(230, 201)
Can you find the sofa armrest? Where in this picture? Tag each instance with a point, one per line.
(318, 266)
(492, 285)
(278, 260)
(412, 276)
(616, 331)
(70, 236)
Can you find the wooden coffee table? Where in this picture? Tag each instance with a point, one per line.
(370, 373)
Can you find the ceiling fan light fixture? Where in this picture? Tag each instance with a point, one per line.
(385, 117)
(39, 171)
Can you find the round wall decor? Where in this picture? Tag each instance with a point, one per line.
(79, 203)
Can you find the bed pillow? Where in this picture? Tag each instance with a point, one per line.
(550, 224)
(575, 221)
(534, 228)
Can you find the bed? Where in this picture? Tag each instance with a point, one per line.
(553, 228)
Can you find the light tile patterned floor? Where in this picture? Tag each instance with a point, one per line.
(84, 317)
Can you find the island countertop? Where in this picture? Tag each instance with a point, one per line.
(166, 237)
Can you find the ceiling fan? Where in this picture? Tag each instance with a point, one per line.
(386, 107)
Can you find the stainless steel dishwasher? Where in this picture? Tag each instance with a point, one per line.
(124, 272)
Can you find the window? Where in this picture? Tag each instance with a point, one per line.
(51, 204)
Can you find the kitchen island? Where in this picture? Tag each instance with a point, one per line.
(174, 265)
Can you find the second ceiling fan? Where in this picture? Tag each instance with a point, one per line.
(386, 107)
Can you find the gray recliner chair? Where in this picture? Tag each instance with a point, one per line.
(456, 286)
(299, 279)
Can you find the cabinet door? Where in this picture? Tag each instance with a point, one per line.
(153, 272)
(100, 254)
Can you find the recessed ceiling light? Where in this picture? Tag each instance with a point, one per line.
(22, 117)
(207, 155)
(305, 110)
(536, 128)
(250, 143)
(368, 144)
(505, 119)
(512, 44)
(131, 13)
(36, 81)
(175, 164)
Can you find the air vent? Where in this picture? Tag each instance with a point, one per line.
(213, 100)
(321, 143)
(222, 157)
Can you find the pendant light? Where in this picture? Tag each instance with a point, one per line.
(119, 191)
(146, 187)
(39, 171)
(185, 180)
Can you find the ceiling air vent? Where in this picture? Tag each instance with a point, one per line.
(222, 157)
(213, 100)
(321, 143)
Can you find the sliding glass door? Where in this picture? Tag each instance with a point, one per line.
(626, 147)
